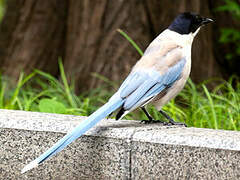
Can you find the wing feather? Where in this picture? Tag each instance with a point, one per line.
(149, 84)
(160, 66)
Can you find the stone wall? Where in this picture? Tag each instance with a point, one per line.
(115, 149)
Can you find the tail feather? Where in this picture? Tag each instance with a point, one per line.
(84, 126)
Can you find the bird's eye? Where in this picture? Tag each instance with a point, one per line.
(198, 18)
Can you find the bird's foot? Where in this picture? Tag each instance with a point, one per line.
(171, 121)
(153, 121)
(174, 123)
(150, 119)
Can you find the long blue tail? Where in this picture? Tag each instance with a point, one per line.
(84, 126)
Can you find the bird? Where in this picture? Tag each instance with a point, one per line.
(158, 76)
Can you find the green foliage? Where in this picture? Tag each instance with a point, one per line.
(230, 35)
(230, 6)
(51, 106)
(2, 8)
(195, 105)
(131, 41)
(214, 109)
(40, 91)
(199, 107)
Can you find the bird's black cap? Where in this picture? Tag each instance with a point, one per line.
(188, 22)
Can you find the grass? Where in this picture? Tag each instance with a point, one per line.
(40, 91)
(195, 105)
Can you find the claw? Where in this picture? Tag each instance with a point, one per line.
(178, 123)
(153, 121)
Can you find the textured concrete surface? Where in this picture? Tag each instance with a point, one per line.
(115, 149)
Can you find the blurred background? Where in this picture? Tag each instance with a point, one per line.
(36, 34)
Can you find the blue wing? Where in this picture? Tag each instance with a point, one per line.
(141, 86)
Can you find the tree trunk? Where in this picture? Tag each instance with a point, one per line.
(94, 45)
(35, 33)
(32, 36)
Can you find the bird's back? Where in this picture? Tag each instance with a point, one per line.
(163, 53)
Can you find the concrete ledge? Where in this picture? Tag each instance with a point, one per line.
(115, 149)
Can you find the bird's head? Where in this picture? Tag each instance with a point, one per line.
(188, 22)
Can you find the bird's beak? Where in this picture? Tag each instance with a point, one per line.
(206, 21)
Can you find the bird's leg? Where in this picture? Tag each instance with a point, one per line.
(151, 120)
(171, 121)
(109, 116)
(147, 114)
